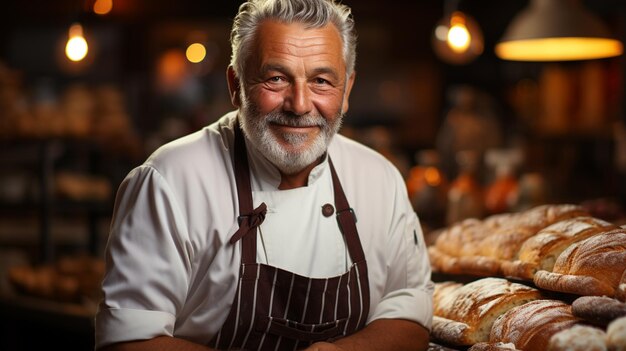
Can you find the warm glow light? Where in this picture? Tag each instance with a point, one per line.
(551, 30)
(195, 53)
(102, 7)
(459, 38)
(559, 49)
(76, 48)
(432, 176)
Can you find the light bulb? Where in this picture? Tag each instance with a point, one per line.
(457, 39)
(76, 48)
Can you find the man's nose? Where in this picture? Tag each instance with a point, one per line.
(298, 100)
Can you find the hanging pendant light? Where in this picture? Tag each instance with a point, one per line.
(457, 38)
(76, 48)
(557, 30)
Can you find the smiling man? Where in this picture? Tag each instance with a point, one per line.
(267, 230)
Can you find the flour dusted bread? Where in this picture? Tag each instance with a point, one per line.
(598, 310)
(594, 266)
(478, 247)
(531, 325)
(616, 335)
(462, 240)
(464, 314)
(540, 251)
(578, 338)
(488, 346)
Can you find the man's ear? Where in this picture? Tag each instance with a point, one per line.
(349, 84)
(234, 87)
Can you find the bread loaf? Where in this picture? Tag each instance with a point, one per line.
(531, 325)
(479, 247)
(578, 338)
(620, 294)
(594, 266)
(498, 346)
(616, 335)
(540, 251)
(598, 310)
(463, 315)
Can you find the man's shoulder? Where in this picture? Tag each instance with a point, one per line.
(202, 146)
(350, 150)
(351, 154)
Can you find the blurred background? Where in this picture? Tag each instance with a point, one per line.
(89, 88)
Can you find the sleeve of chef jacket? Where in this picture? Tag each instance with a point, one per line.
(408, 292)
(147, 265)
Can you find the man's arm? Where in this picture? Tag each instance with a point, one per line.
(381, 334)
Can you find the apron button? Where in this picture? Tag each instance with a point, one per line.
(328, 210)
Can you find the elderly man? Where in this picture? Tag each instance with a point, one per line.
(267, 230)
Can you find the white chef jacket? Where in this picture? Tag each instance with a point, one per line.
(171, 270)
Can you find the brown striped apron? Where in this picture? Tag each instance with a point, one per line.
(275, 309)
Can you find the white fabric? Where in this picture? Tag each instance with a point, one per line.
(171, 270)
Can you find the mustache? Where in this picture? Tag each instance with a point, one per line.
(292, 120)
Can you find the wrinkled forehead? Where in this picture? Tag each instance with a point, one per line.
(292, 41)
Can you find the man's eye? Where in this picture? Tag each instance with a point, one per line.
(321, 81)
(276, 79)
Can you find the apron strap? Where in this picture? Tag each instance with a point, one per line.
(346, 218)
(249, 219)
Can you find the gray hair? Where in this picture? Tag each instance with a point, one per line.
(312, 13)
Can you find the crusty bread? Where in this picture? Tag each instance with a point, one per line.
(459, 239)
(598, 310)
(475, 265)
(463, 315)
(540, 251)
(620, 294)
(593, 266)
(531, 325)
(478, 247)
(616, 335)
(443, 290)
(578, 338)
(488, 346)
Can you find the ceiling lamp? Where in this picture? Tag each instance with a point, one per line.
(557, 30)
(457, 38)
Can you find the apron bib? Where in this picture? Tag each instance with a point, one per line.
(275, 309)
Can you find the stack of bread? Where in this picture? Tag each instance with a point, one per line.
(479, 247)
(73, 279)
(525, 272)
(495, 314)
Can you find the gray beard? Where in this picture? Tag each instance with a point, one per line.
(289, 161)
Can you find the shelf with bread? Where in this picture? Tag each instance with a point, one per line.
(524, 280)
(49, 178)
(50, 303)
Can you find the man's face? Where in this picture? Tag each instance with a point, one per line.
(294, 93)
